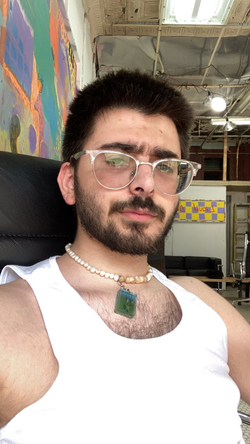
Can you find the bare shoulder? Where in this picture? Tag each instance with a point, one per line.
(26, 356)
(238, 330)
(17, 304)
(12, 294)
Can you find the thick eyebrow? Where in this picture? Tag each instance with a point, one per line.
(130, 148)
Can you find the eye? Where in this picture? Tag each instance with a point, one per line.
(166, 167)
(116, 161)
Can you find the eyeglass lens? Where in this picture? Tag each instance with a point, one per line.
(117, 170)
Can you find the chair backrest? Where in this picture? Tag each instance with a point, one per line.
(245, 264)
(35, 222)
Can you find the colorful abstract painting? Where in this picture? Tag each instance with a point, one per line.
(37, 76)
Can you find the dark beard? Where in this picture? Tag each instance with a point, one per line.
(136, 241)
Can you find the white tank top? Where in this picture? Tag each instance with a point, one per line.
(173, 389)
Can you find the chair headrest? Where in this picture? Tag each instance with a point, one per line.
(35, 222)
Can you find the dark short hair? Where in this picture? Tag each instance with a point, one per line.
(125, 89)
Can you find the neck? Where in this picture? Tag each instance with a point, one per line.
(101, 257)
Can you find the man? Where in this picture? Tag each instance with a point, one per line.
(95, 346)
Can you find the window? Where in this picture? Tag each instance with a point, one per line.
(202, 12)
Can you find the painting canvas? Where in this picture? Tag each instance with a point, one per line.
(37, 76)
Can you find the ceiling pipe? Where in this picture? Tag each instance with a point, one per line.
(243, 101)
(214, 117)
(206, 87)
(213, 55)
(225, 157)
(154, 24)
(161, 6)
(221, 136)
(237, 159)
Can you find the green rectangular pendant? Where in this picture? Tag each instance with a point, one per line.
(125, 303)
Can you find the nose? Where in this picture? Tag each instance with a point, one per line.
(143, 184)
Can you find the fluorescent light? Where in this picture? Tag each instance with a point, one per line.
(218, 104)
(240, 120)
(203, 12)
(218, 121)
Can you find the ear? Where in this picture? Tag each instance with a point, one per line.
(65, 181)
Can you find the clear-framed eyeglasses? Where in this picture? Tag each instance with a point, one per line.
(115, 170)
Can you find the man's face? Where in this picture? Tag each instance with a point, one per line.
(133, 220)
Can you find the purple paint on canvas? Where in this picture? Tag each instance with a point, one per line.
(20, 35)
(44, 152)
(62, 65)
(32, 139)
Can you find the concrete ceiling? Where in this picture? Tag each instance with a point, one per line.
(196, 59)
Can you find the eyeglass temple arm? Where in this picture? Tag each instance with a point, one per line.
(196, 167)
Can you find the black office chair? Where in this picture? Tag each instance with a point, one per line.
(244, 272)
(245, 264)
(35, 222)
(245, 418)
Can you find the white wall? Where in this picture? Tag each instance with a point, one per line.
(199, 238)
(79, 35)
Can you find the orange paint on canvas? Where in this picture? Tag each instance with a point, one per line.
(4, 8)
(3, 34)
(15, 84)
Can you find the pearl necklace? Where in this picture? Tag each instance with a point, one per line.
(125, 300)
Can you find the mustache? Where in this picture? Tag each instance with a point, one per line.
(138, 202)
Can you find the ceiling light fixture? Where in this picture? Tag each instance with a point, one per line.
(208, 99)
(203, 12)
(218, 104)
(229, 126)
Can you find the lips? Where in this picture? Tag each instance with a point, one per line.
(136, 207)
(138, 214)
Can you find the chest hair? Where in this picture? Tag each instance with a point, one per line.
(157, 313)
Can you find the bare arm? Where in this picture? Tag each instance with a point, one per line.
(238, 332)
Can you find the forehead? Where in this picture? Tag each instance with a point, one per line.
(132, 127)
